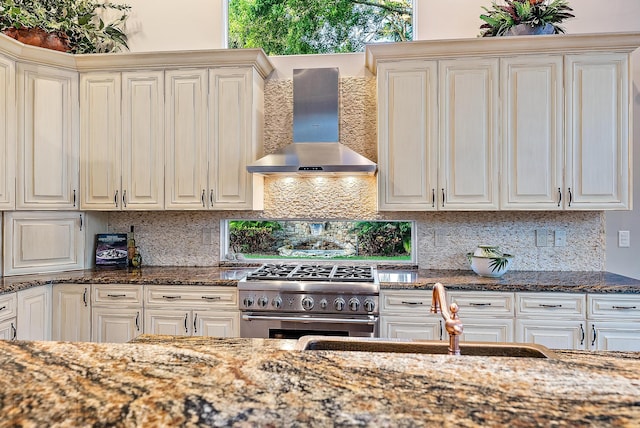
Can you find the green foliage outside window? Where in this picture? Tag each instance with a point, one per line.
(290, 27)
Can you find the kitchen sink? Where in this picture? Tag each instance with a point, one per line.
(480, 349)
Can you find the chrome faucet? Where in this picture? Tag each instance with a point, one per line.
(452, 322)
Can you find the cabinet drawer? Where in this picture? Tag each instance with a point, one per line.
(414, 302)
(621, 306)
(493, 303)
(191, 297)
(8, 304)
(550, 305)
(116, 294)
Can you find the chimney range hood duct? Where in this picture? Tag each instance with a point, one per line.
(315, 148)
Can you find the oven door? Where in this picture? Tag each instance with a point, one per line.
(293, 326)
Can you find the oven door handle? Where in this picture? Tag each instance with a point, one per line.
(372, 320)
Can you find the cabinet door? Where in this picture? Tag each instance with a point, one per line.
(468, 155)
(34, 313)
(216, 323)
(38, 242)
(71, 313)
(231, 138)
(186, 139)
(614, 336)
(554, 334)
(8, 329)
(115, 325)
(142, 140)
(407, 136)
(597, 151)
(170, 322)
(532, 130)
(100, 141)
(48, 143)
(487, 330)
(7, 134)
(406, 327)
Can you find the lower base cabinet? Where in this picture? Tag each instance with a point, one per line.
(191, 323)
(614, 336)
(552, 333)
(71, 313)
(8, 329)
(34, 313)
(407, 327)
(8, 304)
(113, 325)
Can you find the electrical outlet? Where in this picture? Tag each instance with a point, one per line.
(207, 236)
(542, 238)
(560, 238)
(440, 238)
(624, 239)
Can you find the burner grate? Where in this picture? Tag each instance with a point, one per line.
(309, 272)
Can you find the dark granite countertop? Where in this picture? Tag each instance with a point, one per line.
(399, 279)
(168, 381)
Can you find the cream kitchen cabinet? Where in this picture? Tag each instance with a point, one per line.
(614, 322)
(8, 310)
(34, 313)
(487, 316)
(210, 140)
(7, 134)
(405, 314)
(532, 133)
(116, 312)
(71, 312)
(192, 311)
(122, 140)
(48, 143)
(555, 320)
(43, 241)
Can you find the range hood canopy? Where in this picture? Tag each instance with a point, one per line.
(315, 148)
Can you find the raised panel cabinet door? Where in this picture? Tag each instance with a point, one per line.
(186, 139)
(115, 325)
(487, 330)
(34, 313)
(7, 134)
(231, 138)
(405, 327)
(42, 241)
(614, 336)
(597, 141)
(48, 141)
(71, 320)
(171, 322)
(216, 323)
(8, 329)
(552, 333)
(407, 135)
(468, 155)
(532, 133)
(142, 140)
(100, 141)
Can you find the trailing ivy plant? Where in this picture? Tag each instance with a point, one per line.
(87, 25)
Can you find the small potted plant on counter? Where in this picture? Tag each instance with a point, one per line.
(74, 26)
(524, 17)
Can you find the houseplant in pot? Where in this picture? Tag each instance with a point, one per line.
(524, 17)
(74, 26)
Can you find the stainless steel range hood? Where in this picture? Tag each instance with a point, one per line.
(315, 148)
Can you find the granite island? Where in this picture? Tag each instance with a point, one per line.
(170, 381)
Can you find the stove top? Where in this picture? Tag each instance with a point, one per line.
(311, 272)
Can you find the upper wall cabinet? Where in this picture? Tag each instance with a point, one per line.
(7, 134)
(563, 105)
(122, 147)
(47, 172)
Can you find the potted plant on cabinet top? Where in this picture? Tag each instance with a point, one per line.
(74, 26)
(524, 17)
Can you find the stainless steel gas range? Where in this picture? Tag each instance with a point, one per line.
(293, 300)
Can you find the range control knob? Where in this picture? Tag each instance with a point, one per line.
(369, 305)
(248, 301)
(339, 304)
(324, 303)
(307, 303)
(354, 304)
(276, 302)
(263, 302)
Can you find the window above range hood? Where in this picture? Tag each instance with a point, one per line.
(315, 148)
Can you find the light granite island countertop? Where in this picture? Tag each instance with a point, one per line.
(170, 381)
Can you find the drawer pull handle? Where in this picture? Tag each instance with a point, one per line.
(138, 321)
(581, 334)
(624, 307)
(172, 297)
(3, 308)
(84, 297)
(116, 295)
(479, 304)
(14, 332)
(195, 322)
(543, 305)
(411, 303)
(186, 329)
(595, 335)
(211, 297)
